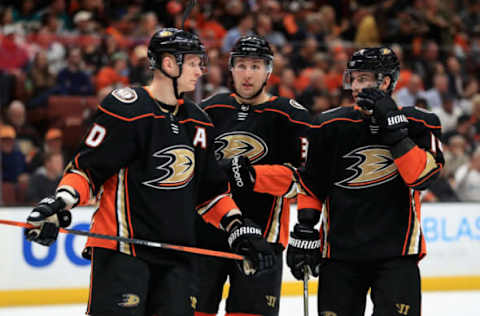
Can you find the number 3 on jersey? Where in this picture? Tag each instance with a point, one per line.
(95, 136)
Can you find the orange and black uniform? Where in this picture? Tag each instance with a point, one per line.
(152, 169)
(273, 132)
(370, 195)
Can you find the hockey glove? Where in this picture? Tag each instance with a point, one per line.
(245, 238)
(303, 251)
(393, 123)
(47, 217)
(240, 173)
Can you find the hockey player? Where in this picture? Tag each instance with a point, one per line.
(149, 155)
(251, 125)
(366, 166)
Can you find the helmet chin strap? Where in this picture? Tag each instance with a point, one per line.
(174, 78)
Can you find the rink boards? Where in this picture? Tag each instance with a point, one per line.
(31, 274)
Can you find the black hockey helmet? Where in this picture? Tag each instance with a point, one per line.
(382, 61)
(252, 46)
(176, 42)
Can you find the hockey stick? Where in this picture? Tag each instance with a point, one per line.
(200, 251)
(187, 12)
(306, 274)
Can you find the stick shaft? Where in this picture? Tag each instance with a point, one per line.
(200, 251)
(305, 291)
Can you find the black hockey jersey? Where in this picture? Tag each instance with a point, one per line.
(273, 132)
(151, 168)
(371, 199)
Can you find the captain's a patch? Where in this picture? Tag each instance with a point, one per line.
(125, 95)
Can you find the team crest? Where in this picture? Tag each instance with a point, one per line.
(177, 168)
(374, 165)
(129, 300)
(125, 95)
(297, 105)
(234, 144)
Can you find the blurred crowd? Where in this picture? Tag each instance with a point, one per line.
(86, 48)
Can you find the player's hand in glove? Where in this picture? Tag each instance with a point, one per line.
(47, 217)
(303, 250)
(245, 238)
(241, 174)
(393, 123)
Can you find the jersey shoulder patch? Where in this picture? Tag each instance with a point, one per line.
(125, 95)
(126, 102)
(297, 105)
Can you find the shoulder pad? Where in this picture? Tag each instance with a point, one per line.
(220, 98)
(420, 119)
(337, 113)
(125, 102)
(196, 112)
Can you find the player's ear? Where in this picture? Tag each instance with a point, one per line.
(386, 83)
(169, 64)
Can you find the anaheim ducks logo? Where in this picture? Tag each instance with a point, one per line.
(177, 169)
(129, 300)
(240, 144)
(374, 166)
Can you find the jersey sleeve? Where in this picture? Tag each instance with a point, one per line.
(419, 157)
(295, 135)
(215, 199)
(108, 146)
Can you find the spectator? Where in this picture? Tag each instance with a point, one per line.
(421, 103)
(45, 180)
(140, 73)
(27, 138)
(455, 77)
(467, 179)
(115, 74)
(14, 56)
(464, 128)
(244, 28)
(53, 143)
(321, 102)
(286, 86)
(305, 57)
(13, 161)
(470, 89)
(214, 80)
(475, 118)
(73, 80)
(441, 190)
(448, 113)
(40, 77)
(407, 95)
(264, 28)
(434, 95)
(317, 87)
(456, 154)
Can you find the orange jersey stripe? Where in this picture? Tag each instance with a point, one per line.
(336, 119)
(196, 121)
(272, 179)
(213, 106)
(306, 201)
(130, 119)
(129, 215)
(284, 114)
(424, 123)
(104, 220)
(80, 184)
(218, 211)
(284, 224)
(411, 164)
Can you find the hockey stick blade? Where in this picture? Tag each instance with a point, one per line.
(154, 244)
(187, 12)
